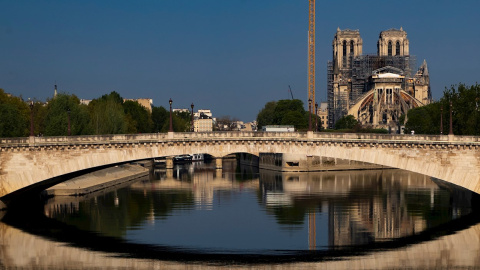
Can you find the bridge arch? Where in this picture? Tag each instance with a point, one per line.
(28, 161)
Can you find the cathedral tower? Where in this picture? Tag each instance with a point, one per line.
(393, 42)
(346, 45)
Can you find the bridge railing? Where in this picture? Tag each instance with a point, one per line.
(232, 135)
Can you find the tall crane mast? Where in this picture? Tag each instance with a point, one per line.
(311, 53)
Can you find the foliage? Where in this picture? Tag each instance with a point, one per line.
(107, 114)
(138, 118)
(284, 112)
(465, 117)
(346, 122)
(181, 121)
(160, 119)
(58, 111)
(266, 115)
(14, 116)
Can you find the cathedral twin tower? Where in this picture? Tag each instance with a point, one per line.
(376, 89)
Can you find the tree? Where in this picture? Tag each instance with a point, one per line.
(226, 123)
(465, 101)
(107, 114)
(423, 120)
(160, 118)
(138, 118)
(14, 116)
(346, 122)
(181, 121)
(266, 115)
(284, 112)
(58, 111)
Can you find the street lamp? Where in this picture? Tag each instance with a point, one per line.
(193, 129)
(451, 122)
(309, 114)
(171, 120)
(316, 116)
(31, 118)
(68, 113)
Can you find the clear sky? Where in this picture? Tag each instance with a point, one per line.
(230, 56)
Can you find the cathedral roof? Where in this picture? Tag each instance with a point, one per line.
(388, 70)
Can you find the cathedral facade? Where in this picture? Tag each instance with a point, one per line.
(376, 89)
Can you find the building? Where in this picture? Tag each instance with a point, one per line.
(203, 121)
(322, 113)
(376, 89)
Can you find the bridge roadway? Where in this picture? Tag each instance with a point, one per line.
(37, 162)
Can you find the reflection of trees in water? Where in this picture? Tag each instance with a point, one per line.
(113, 213)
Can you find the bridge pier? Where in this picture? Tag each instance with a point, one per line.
(218, 163)
(169, 173)
(169, 162)
(218, 173)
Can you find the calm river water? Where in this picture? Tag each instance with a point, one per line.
(197, 217)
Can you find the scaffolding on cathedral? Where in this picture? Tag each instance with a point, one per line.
(357, 75)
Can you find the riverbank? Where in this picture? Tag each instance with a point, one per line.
(98, 180)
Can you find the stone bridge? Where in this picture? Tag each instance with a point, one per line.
(38, 162)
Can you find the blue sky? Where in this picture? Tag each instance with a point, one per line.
(230, 56)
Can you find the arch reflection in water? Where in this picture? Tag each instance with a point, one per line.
(238, 210)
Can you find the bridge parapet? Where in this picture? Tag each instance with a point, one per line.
(235, 135)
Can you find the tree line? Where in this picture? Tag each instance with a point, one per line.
(286, 112)
(109, 114)
(465, 102)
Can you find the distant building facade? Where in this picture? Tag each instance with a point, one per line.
(203, 121)
(322, 113)
(376, 89)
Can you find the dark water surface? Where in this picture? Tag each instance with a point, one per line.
(200, 217)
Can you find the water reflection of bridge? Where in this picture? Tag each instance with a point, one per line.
(26, 248)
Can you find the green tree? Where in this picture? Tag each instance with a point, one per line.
(160, 118)
(266, 115)
(107, 114)
(346, 122)
(284, 112)
(423, 120)
(59, 110)
(14, 116)
(138, 117)
(181, 121)
(465, 101)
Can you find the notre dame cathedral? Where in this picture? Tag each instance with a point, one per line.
(376, 89)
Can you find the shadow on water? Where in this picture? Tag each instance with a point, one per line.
(32, 220)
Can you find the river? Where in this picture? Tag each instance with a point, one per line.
(197, 217)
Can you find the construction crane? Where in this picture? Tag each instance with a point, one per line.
(290, 90)
(311, 53)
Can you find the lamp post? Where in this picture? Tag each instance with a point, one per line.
(451, 122)
(441, 120)
(316, 116)
(31, 118)
(171, 120)
(193, 128)
(309, 114)
(68, 113)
